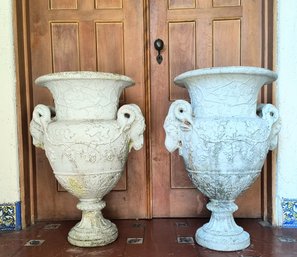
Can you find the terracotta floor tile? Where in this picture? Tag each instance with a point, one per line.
(160, 239)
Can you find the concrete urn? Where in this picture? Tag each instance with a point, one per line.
(87, 139)
(223, 137)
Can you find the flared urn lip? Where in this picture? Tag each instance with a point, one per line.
(227, 70)
(87, 75)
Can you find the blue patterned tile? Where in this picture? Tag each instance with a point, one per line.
(289, 207)
(10, 216)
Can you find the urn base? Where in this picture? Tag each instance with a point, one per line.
(221, 242)
(93, 237)
(93, 229)
(221, 233)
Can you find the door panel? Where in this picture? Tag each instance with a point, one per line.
(223, 3)
(65, 45)
(222, 55)
(196, 34)
(110, 54)
(176, 4)
(182, 40)
(69, 35)
(62, 4)
(106, 4)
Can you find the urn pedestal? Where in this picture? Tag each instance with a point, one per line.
(87, 139)
(223, 137)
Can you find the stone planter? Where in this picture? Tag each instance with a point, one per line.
(87, 140)
(223, 137)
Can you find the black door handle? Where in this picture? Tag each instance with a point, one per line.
(159, 45)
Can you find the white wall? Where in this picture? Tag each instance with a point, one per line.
(9, 168)
(286, 62)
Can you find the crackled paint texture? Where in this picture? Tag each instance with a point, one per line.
(87, 140)
(223, 137)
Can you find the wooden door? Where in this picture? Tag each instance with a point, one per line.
(110, 35)
(103, 35)
(196, 34)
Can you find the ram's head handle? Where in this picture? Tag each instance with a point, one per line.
(131, 121)
(270, 114)
(179, 120)
(42, 116)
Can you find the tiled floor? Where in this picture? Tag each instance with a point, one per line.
(151, 238)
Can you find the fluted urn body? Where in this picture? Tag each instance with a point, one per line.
(223, 137)
(87, 139)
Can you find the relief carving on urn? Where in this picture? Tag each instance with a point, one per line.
(223, 137)
(87, 139)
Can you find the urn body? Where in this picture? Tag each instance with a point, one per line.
(223, 137)
(87, 139)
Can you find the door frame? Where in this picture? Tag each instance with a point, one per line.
(25, 108)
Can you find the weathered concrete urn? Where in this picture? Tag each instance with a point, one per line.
(223, 137)
(87, 139)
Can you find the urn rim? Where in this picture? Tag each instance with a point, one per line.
(87, 75)
(227, 70)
